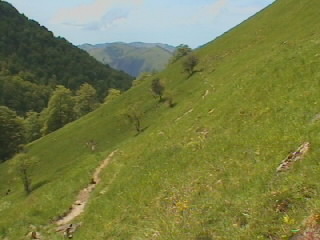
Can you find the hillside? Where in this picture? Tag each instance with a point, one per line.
(33, 61)
(132, 58)
(204, 169)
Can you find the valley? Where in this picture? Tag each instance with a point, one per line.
(222, 144)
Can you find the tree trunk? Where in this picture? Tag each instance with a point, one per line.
(26, 181)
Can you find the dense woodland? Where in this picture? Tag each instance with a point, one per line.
(33, 62)
(45, 82)
(63, 108)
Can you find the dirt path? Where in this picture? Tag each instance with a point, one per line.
(82, 199)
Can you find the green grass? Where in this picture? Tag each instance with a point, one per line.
(170, 182)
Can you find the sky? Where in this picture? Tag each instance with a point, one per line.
(192, 22)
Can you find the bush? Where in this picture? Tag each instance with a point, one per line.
(157, 88)
(23, 165)
(189, 64)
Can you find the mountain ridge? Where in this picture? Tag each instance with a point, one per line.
(133, 58)
(168, 47)
(205, 168)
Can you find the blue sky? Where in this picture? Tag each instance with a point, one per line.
(192, 22)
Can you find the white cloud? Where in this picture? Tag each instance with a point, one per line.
(94, 12)
(208, 12)
(190, 21)
(216, 8)
(103, 25)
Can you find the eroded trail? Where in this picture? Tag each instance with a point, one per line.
(82, 199)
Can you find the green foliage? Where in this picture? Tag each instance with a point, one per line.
(189, 63)
(33, 126)
(21, 94)
(11, 133)
(134, 116)
(112, 95)
(33, 62)
(23, 166)
(205, 168)
(60, 110)
(85, 100)
(181, 51)
(157, 88)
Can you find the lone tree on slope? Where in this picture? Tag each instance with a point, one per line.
(134, 116)
(181, 51)
(189, 63)
(157, 88)
(23, 165)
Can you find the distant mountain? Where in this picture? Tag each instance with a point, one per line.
(33, 62)
(132, 58)
(152, 45)
(204, 169)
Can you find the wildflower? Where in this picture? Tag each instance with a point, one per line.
(182, 206)
(288, 220)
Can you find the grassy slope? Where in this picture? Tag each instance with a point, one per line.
(171, 183)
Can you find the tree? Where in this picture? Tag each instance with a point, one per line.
(23, 165)
(33, 125)
(86, 100)
(33, 62)
(43, 116)
(112, 94)
(11, 133)
(189, 63)
(181, 51)
(21, 95)
(157, 88)
(60, 110)
(134, 116)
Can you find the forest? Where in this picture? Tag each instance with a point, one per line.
(45, 81)
(33, 62)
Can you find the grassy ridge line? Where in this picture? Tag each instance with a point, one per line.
(66, 166)
(168, 184)
(263, 109)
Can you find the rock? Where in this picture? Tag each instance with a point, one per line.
(205, 94)
(316, 118)
(293, 157)
(70, 230)
(62, 228)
